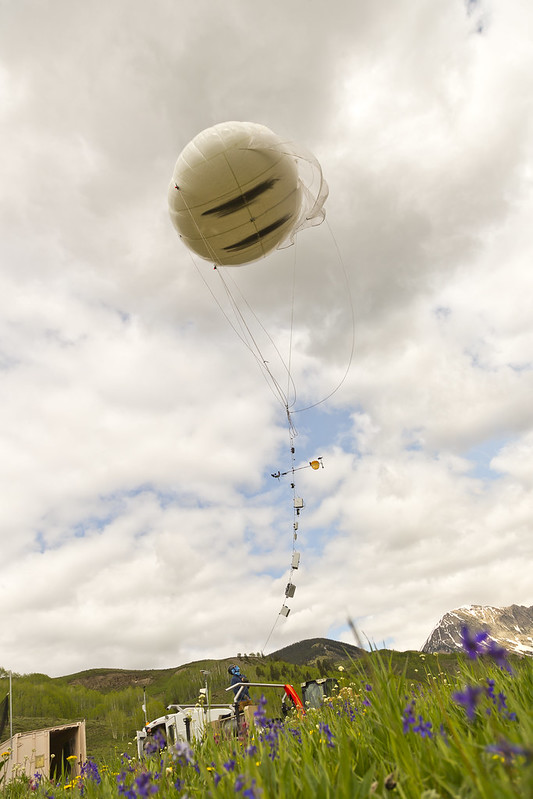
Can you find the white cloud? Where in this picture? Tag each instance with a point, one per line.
(140, 525)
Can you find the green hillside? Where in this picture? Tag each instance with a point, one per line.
(110, 700)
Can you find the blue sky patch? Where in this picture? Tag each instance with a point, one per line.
(319, 429)
(481, 455)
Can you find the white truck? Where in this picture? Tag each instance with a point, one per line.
(189, 722)
(183, 723)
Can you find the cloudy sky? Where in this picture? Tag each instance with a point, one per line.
(140, 525)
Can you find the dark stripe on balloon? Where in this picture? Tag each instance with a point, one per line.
(255, 237)
(237, 203)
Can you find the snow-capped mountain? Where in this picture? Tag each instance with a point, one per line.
(510, 627)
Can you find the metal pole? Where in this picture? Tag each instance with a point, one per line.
(144, 706)
(10, 720)
(207, 694)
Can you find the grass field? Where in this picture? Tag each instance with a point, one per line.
(463, 734)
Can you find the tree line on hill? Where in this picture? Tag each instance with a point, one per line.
(39, 700)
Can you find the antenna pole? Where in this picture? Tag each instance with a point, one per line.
(10, 716)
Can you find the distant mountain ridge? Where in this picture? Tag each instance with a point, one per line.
(510, 627)
(305, 653)
(310, 652)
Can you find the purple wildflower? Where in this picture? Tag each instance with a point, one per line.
(296, 734)
(327, 733)
(229, 765)
(473, 644)
(251, 750)
(409, 716)
(35, 781)
(423, 728)
(469, 699)
(240, 782)
(260, 713)
(126, 761)
(89, 771)
(252, 792)
(499, 701)
(155, 743)
(123, 789)
(368, 687)
(270, 728)
(499, 655)
(349, 709)
(270, 735)
(509, 751)
(481, 644)
(144, 784)
(182, 753)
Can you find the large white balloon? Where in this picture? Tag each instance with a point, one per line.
(238, 191)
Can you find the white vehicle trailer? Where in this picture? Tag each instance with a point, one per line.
(188, 722)
(45, 752)
(185, 723)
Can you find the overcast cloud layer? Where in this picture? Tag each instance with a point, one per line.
(140, 525)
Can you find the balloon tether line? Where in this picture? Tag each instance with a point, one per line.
(247, 337)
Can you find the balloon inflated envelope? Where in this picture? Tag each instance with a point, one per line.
(239, 191)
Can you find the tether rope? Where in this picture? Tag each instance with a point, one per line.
(246, 336)
(291, 326)
(283, 396)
